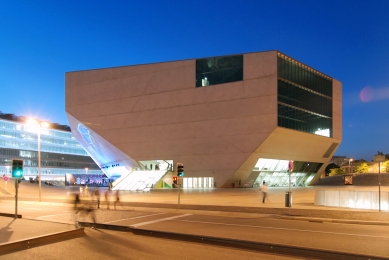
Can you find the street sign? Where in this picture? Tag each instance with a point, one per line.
(379, 158)
(5, 178)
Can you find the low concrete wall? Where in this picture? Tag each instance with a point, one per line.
(352, 199)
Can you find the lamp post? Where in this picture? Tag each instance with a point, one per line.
(38, 124)
(379, 158)
(349, 165)
(7, 172)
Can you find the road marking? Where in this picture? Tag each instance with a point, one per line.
(287, 229)
(51, 216)
(32, 208)
(158, 220)
(134, 217)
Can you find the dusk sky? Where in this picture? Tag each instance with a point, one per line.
(347, 40)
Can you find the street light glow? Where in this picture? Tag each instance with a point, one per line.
(32, 122)
(38, 124)
(349, 165)
(44, 124)
(35, 123)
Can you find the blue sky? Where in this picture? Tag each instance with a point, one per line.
(347, 40)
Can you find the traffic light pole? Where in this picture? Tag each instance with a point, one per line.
(179, 185)
(16, 197)
(289, 202)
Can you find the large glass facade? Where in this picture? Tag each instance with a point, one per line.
(219, 70)
(275, 172)
(304, 98)
(60, 151)
(20, 136)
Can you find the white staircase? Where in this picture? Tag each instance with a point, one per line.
(138, 180)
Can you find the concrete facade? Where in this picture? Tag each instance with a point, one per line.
(154, 111)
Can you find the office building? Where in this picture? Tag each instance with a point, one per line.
(61, 154)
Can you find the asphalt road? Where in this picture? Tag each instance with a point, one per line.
(104, 244)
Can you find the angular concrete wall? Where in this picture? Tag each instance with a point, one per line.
(337, 109)
(154, 111)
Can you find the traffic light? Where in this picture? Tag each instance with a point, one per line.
(180, 169)
(17, 168)
(175, 179)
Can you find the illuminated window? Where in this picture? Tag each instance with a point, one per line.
(219, 70)
(304, 98)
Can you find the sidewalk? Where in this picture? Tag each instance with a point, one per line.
(237, 201)
(17, 229)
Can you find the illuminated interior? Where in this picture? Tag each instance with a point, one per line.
(144, 177)
(352, 199)
(274, 172)
(138, 180)
(197, 182)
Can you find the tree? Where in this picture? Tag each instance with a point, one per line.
(385, 165)
(337, 171)
(329, 167)
(362, 168)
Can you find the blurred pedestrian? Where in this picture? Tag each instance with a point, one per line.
(82, 209)
(117, 199)
(81, 191)
(107, 197)
(86, 191)
(264, 191)
(76, 208)
(97, 196)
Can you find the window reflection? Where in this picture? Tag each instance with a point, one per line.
(304, 98)
(219, 70)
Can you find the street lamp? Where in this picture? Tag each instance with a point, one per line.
(349, 165)
(38, 124)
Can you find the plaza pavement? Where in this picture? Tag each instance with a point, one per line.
(232, 201)
(238, 202)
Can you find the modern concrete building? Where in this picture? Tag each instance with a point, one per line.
(60, 154)
(232, 121)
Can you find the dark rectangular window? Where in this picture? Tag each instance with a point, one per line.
(304, 98)
(219, 70)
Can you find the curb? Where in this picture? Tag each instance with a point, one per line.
(10, 215)
(40, 240)
(338, 221)
(242, 244)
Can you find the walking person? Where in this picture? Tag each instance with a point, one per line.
(117, 199)
(107, 197)
(86, 191)
(264, 191)
(77, 202)
(81, 191)
(97, 195)
(83, 209)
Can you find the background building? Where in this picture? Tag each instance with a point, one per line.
(61, 154)
(232, 120)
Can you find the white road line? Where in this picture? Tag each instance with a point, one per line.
(158, 220)
(134, 217)
(287, 229)
(51, 215)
